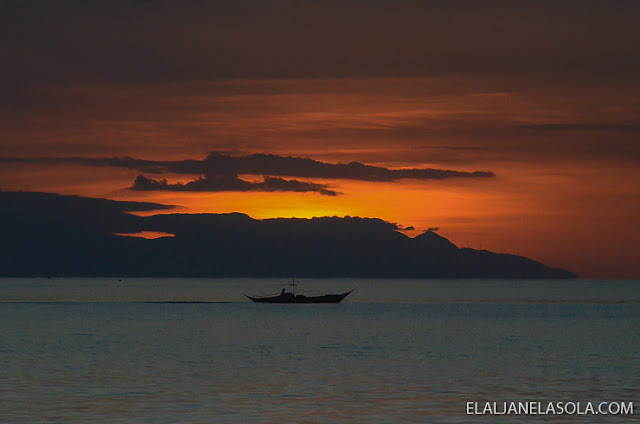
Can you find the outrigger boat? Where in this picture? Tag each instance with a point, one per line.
(286, 297)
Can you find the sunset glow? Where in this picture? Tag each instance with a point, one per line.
(563, 150)
(149, 235)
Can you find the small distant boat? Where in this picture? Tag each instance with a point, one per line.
(292, 297)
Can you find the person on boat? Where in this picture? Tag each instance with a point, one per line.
(282, 293)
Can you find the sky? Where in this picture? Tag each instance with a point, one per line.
(509, 126)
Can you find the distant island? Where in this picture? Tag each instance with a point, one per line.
(50, 235)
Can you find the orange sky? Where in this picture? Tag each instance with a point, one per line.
(565, 156)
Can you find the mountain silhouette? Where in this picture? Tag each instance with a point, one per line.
(70, 236)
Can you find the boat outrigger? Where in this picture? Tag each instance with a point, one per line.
(292, 297)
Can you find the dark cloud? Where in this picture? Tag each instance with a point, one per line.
(432, 229)
(217, 164)
(134, 41)
(266, 164)
(56, 203)
(231, 183)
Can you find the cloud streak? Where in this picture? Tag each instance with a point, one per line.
(220, 172)
(231, 183)
(219, 164)
(585, 127)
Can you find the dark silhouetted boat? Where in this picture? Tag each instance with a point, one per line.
(286, 297)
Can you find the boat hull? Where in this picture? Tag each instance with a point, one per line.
(290, 298)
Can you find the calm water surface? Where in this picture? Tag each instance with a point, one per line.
(141, 350)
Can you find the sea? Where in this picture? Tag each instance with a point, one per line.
(394, 351)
